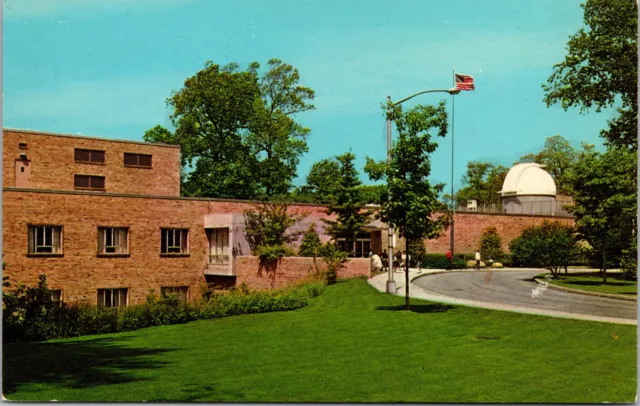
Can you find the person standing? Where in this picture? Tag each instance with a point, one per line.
(478, 260)
(449, 257)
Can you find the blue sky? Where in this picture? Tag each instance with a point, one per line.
(105, 67)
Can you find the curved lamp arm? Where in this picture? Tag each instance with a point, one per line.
(451, 91)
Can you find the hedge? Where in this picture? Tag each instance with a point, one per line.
(30, 315)
(440, 261)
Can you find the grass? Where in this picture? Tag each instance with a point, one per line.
(592, 282)
(351, 344)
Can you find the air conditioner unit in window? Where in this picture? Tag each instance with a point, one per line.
(472, 205)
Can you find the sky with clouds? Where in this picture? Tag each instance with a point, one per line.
(105, 67)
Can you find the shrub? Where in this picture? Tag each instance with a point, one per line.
(440, 261)
(310, 245)
(550, 245)
(335, 259)
(491, 245)
(30, 315)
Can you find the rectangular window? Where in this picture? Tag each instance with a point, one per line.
(113, 240)
(45, 240)
(181, 291)
(112, 297)
(22, 145)
(218, 246)
(56, 295)
(137, 160)
(90, 156)
(91, 182)
(174, 241)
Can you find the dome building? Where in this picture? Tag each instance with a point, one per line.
(529, 189)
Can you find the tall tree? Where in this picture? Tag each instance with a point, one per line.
(322, 181)
(482, 182)
(276, 139)
(606, 202)
(346, 203)
(601, 68)
(235, 129)
(559, 159)
(411, 199)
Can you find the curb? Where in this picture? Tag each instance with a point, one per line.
(586, 292)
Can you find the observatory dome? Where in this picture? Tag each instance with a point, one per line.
(528, 180)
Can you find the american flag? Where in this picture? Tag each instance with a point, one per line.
(464, 82)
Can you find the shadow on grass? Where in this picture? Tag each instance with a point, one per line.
(75, 364)
(421, 308)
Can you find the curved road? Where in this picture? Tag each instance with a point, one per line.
(515, 288)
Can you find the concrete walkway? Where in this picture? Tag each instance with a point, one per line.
(380, 282)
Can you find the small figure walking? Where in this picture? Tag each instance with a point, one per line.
(478, 260)
(449, 256)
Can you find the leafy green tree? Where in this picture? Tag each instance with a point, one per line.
(322, 181)
(266, 231)
(559, 159)
(310, 246)
(411, 199)
(550, 245)
(372, 194)
(491, 244)
(236, 132)
(601, 68)
(605, 196)
(346, 203)
(275, 138)
(482, 182)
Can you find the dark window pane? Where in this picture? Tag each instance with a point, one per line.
(130, 159)
(81, 181)
(22, 145)
(97, 182)
(97, 156)
(163, 241)
(83, 155)
(144, 160)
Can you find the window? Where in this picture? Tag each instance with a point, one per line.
(45, 240)
(137, 160)
(113, 240)
(181, 291)
(90, 156)
(88, 182)
(22, 145)
(56, 295)
(112, 297)
(174, 241)
(218, 246)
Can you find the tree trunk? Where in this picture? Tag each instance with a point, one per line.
(406, 276)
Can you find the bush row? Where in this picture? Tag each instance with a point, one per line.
(440, 261)
(30, 315)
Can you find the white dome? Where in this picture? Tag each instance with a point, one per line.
(528, 179)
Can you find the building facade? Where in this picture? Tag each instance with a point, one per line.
(104, 220)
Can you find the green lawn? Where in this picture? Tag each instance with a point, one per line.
(592, 282)
(351, 344)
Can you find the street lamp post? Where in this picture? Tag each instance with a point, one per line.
(391, 283)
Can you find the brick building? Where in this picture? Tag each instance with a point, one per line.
(105, 221)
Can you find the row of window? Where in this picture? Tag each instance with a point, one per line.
(47, 239)
(92, 156)
(117, 297)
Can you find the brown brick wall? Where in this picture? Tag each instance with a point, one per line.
(291, 270)
(468, 229)
(53, 165)
(80, 272)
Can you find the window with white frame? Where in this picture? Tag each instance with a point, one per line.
(45, 240)
(56, 295)
(218, 245)
(174, 241)
(113, 240)
(112, 297)
(181, 291)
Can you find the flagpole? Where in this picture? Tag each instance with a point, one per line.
(453, 209)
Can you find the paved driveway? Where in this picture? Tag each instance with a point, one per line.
(514, 289)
